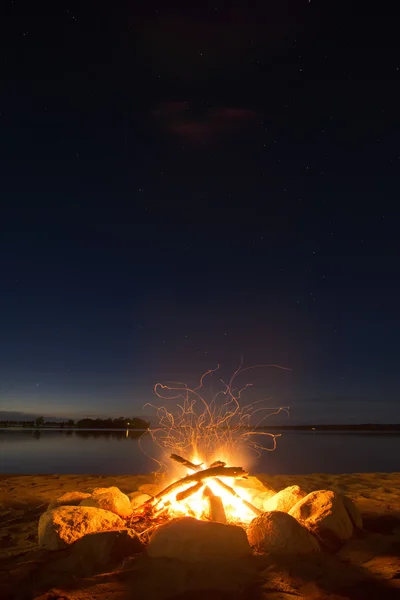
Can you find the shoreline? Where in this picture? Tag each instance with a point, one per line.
(375, 553)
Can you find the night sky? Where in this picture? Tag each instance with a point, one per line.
(186, 184)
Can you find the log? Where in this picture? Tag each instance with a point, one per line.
(218, 463)
(228, 488)
(234, 472)
(186, 463)
(215, 505)
(189, 492)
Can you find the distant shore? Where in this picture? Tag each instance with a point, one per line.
(366, 427)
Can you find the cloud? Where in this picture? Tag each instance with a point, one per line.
(204, 125)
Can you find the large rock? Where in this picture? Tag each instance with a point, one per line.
(150, 488)
(323, 512)
(253, 485)
(95, 551)
(284, 500)
(352, 511)
(112, 499)
(257, 493)
(68, 499)
(137, 499)
(102, 490)
(279, 533)
(64, 525)
(191, 540)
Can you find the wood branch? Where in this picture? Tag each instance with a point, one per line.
(189, 491)
(215, 506)
(229, 489)
(234, 472)
(218, 463)
(186, 463)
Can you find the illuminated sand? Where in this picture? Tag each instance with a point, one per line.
(374, 554)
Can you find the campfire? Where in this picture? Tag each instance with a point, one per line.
(203, 494)
(201, 426)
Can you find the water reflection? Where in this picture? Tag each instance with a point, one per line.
(119, 452)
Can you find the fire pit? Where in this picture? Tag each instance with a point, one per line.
(203, 494)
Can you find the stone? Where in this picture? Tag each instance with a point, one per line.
(137, 499)
(280, 534)
(190, 540)
(64, 525)
(150, 488)
(257, 493)
(252, 484)
(284, 500)
(112, 499)
(352, 511)
(259, 500)
(68, 499)
(102, 490)
(96, 550)
(323, 512)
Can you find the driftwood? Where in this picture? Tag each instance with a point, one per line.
(189, 491)
(188, 464)
(200, 476)
(218, 463)
(249, 505)
(215, 505)
(226, 487)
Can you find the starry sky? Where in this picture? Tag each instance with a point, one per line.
(186, 184)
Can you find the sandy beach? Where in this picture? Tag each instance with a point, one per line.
(368, 566)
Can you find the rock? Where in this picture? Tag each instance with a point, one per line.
(68, 499)
(188, 539)
(352, 511)
(257, 493)
(102, 490)
(252, 484)
(149, 488)
(112, 499)
(323, 512)
(137, 499)
(279, 533)
(96, 550)
(285, 499)
(259, 500)
(64, 525)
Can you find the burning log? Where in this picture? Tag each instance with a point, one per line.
(190, 491)
(218, 463)
(225, 486)
(200, 476)
(190, 465)
(216, 506)
(228, 488)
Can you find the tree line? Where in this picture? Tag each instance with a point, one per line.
(119, 423)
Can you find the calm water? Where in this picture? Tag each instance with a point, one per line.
(112, 452)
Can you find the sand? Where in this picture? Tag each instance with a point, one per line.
(368, 566)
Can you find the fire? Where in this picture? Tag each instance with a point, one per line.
(214, 432)
(198, 505)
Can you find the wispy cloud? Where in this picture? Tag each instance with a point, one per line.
(204, 125)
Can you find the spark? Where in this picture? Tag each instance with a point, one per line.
(211, 426)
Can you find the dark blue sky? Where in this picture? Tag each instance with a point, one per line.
(181, 188)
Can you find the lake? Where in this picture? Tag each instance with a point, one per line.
(116, 452)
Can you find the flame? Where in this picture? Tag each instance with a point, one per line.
(221, 428)
(197, 504)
